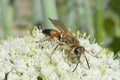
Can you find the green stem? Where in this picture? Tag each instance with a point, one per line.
(37, 11)
(118, 26)
(99, 21)
(88, 15)
(49, 8)
(7, 17)
(71, 16)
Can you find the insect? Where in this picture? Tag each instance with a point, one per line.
(65, 36)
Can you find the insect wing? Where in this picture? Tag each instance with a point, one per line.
(61, 27)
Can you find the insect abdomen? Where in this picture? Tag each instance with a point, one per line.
(51, 33)
(47, 32)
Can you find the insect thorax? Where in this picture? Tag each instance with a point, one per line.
(69, 41)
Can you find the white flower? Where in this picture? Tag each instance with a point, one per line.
(13, 76)
(2, 75)
(23, 59)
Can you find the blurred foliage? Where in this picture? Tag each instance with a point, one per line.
(99, 18)
(99, 15)
(116, 44)
(109, 26)
(115, 5)
(6, 16)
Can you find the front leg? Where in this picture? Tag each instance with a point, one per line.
(49, 38)
(68, 54)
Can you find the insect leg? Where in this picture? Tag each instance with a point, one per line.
(76, 66)
(78, 58)
(68, 53)
(91, 54)
(44, 40)
(55, 49)
(87, 61)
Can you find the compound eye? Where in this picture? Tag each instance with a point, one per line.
(79, 49)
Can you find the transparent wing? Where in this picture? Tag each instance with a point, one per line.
(61, 27)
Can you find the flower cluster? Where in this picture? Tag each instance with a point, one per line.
(23, 59)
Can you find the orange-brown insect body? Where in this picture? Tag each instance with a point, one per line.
(51, 33)
(69, 40)
(64, 36)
